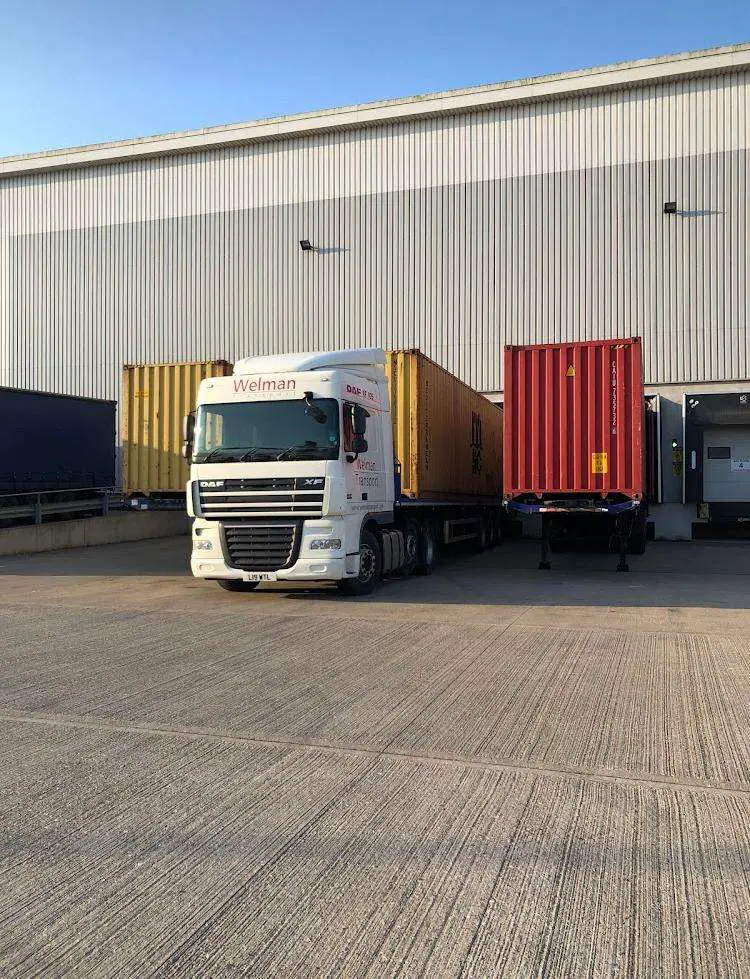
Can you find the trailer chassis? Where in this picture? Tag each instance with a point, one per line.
(628, 520)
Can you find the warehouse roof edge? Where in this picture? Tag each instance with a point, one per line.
(622, 75)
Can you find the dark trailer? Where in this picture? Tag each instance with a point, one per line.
(55, 442)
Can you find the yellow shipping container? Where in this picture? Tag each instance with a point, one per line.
(155, 399)
(447, 437)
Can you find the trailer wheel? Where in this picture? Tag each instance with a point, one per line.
(637, 542)
(411, 547)
(497, 531)
(484, 537)
(370, 568)
(232, 584)
(427, 550)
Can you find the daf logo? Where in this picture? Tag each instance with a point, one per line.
(212, 484)
(312, 482)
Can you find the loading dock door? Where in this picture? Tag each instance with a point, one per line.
(653, 448)
(726, 464)
(686, 461)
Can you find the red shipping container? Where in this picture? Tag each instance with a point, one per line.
(574, 421)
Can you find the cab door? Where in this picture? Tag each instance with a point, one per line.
(365, 473)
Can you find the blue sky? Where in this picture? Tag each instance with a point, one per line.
(83, 71)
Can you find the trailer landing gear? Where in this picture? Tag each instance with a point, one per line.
(544, 562)
(626, 529)
(622, 564)
(627, 534)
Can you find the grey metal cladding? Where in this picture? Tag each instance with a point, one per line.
(457, 270)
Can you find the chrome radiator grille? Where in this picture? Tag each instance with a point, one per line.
(262, 497)
(262, 546)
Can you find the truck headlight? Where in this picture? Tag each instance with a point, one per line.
(203, 545)
(326, 544)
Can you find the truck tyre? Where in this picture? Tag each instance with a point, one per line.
(637, 542)
(370, 567)
(427, 550)
(497, 531)
(411, 547)
(232, 584)
(483, 538)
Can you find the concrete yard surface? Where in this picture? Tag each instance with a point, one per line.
(494, 771)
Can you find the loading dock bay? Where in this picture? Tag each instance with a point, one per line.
(490, 772)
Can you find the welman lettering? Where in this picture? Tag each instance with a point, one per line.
(251, 385)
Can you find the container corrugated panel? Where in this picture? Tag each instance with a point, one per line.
(447, 437)
(55, 442)
(156, 398)
(574, 419)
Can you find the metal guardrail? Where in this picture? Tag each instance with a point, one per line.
(96, 500)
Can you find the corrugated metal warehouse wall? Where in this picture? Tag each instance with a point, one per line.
(456, 234)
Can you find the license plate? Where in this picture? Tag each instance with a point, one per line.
(260, 576)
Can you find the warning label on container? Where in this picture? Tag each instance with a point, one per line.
(599, 463)
(571, 371)
(740, 466)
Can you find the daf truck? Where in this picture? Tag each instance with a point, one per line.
(340, 467)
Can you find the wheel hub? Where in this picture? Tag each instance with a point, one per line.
(366, 563)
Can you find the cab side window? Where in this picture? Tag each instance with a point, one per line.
(348, 427)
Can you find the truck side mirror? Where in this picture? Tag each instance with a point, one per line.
(188, 435)
(357, 416)
(360, 421)
(312, 409)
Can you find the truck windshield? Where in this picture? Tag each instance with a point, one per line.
(261, 431)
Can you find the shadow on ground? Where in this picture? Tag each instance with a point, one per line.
(698, 574)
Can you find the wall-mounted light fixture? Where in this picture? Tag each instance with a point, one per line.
(305, 245)
(670, 207)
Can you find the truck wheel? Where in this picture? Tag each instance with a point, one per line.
(482, 541)
(497, 532)
(427, 550)
(370, 568)
(637, 542)
(411, 547)
(232, 584)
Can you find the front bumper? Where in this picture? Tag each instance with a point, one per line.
(209, 556)
(305, 569)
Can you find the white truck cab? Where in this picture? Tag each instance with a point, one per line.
(291, 456)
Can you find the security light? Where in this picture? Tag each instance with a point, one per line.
(670, 207)
(305, 245)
